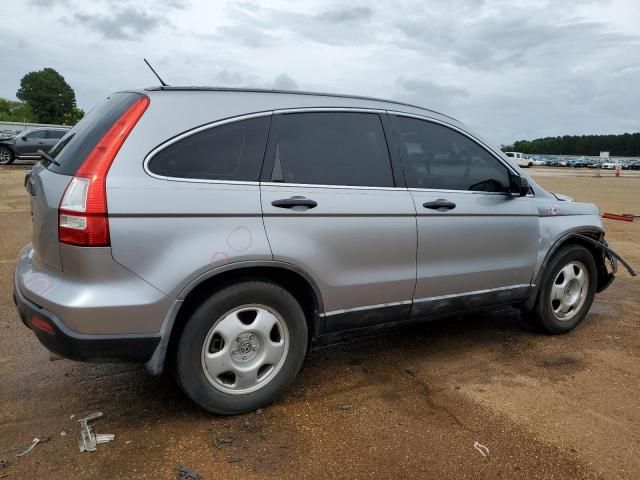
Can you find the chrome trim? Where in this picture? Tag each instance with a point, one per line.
(367, 307)
(193, 131)
(328, 109)
(474, 292)
(312, 185)
(426, 299)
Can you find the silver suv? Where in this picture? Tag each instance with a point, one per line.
(221, 232)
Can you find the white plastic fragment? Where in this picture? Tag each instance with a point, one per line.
(481, 448)
(29, 447)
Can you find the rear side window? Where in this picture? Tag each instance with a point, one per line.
(71, 151)
(233, 151)
(332, 148)
(36, 134)
(438, 157)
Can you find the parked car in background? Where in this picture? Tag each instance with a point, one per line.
(223, 242)
(8, 133)
(25, 146)
(520, 158)
(610, 165)
(633, 165)
(578, 162)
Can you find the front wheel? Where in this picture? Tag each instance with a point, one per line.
(242, 347)
(567, 290)
(6, 156)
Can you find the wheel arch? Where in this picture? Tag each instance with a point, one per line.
(572, 237)
(290, 277)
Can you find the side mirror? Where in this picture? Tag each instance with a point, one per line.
(519, 186)
(24, 138)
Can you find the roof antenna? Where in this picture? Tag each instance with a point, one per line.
(162, 82)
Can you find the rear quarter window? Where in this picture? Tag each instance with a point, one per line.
(232, 152)
(72, 149)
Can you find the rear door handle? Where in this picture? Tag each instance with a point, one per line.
(295, 202)
(440, 204)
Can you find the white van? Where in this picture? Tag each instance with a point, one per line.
(520, 158)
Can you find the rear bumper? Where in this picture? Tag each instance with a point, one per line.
(95, 311)
(66, 343)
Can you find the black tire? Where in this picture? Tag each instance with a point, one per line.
(543, 316)
(190, 371)
(6, 156)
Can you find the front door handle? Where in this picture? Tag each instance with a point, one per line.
(440, 204)
(295, 202)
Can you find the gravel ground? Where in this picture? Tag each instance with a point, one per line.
(407, 403)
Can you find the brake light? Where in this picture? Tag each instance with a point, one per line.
(82, 215)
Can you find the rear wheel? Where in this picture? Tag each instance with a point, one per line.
(567, 290)
(6, 156)
(241, 348)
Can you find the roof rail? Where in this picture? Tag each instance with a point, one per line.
(290, 92)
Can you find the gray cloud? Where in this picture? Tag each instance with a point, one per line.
(510, 69)
(127, 24)
(49, 3)
(332, 26)
(285, 82)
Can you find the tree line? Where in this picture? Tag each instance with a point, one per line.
(624, 145)
(44, 97)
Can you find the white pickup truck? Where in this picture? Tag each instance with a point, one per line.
(520, 158)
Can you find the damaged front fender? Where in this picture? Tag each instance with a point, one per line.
(609, 253)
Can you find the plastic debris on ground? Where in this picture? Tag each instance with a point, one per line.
(481, 448)
(185, 473)
(87, 437)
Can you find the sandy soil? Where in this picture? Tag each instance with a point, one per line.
(407, 403)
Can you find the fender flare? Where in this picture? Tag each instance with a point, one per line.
(156, 364)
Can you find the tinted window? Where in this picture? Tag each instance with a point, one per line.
(228, 152)
(332, 149)
(510, 154)
(435, 156)
(35, 135)
(55, 133)
(76, 144)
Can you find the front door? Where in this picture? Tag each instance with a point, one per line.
(477, 243)
(331, 207)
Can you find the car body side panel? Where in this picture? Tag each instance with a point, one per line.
(170, 233)
(488, 242)
(359, 245)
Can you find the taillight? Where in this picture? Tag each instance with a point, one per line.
(82, 215)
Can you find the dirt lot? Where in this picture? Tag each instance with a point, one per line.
(546, 407)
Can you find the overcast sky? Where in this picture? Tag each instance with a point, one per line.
(510, 69)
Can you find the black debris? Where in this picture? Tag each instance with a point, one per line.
(219, 441)
(234, 459)
(185, 473)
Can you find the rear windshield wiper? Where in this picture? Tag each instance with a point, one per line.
(47, 157)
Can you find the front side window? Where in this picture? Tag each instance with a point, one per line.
(332, 148)
(438, 157)
(233, 151)
(55, 134)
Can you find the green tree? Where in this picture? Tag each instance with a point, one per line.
(73, 117)
(12, 111)
(48, 94)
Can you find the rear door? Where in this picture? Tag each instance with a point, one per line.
(477, 244)
(331, 207)
(30, 143)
